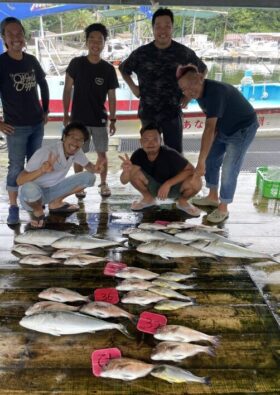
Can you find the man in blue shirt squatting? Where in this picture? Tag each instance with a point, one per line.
(44, 181)
(158, 171)
(230, 127)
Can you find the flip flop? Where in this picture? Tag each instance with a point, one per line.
(189, 209)
(217, 216)
(141, 205)
(66, 208)
(34, 218)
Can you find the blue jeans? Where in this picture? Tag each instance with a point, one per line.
(32, 192)
(21, 145)
(228, 152)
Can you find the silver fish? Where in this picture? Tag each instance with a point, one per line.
(145, 235)
(141, 297)
(40, 237)
(189, 225)
(174, 276)
(28, 249)
(176, 351)
(49, 306)
(151, 226)
(136, 272)
(67, 323)
(171, 284)
(83, 242)
(38, 260)
(166, 249)
(82, 260)
(168, 293)
(133, 284)
(62, 295)
(169, 305)
(105, 310)
(183, 334)
(64, 253)
(126, 369)
(193, 235)
(172, 374)
(224, 249)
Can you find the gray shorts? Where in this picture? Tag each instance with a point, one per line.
(153, 187)
(99, 137)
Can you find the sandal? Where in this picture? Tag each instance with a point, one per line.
(105, 191)
(36, 220)
(204, 201)
(81, 194)
(217, 216)
(141, 205)
(65, 208)
(189, 209)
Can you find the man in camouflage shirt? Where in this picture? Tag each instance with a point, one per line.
(155, 65)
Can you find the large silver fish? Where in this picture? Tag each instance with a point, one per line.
(176, 351)
(224, 249)
(183, 334)
(105, 310)
(151, 226)
(126, 369)
(28, 249)
(133, 284)
(146, 235)
(39, 307)
(67, 323)
(193, 235)
(65, 253)
(62, 295)
(40, 237)
(38, 260)
(171, 284)
(83, 242)
(168, 293)
(172, 374)
(82, 260)
(174, 276)
(169, 305)
(136, 272)
(141, 297)
(189, 225)
(166, 249)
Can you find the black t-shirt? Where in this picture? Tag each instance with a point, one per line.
(225, 102)
(167, 164)
(156, 72)
(18, 89)
(91, 85)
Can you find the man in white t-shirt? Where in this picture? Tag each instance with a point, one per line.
(44, 181)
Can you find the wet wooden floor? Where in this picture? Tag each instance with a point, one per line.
(231, 303)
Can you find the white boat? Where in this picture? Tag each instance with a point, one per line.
(265, 98)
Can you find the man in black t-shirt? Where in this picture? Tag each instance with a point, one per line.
(93, 80)
(230, 127)
(158, 171)
(155, 66)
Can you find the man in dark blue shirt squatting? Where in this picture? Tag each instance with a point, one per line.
(230, 127)
(160, 172)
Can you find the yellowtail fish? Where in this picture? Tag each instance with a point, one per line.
(168, 293)
(169, 305)
(28, 249)
(174, 276)
(172, 374)
(64, 253)
(82, 260)
(38, 260)
(136, 272)
(141, 297)
(83, 242)
(133, 284)
(171, 284)
(40, 237)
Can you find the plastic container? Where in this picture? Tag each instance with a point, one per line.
(268, 187)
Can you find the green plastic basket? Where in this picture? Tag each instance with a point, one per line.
(269, 188)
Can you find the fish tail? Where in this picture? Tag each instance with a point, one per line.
(133, 318)
(124, 331)
(215, 340)
(206, 380)
(211, 351)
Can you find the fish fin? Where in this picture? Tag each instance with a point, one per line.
(215, 340)
(211, 351)
(54, 333)
(124, 331)
(207, 380)
(276, 257)
(164, 257)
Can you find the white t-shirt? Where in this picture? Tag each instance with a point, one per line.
(61, 166)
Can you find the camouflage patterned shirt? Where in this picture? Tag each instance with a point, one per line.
(156, 72)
